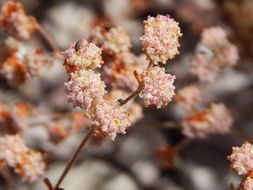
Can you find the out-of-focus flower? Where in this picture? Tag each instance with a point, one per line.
(27, 163)
(121, 75)
(110, 118)
(18, 62)
(213, 53)
(242, 159)
(165, 156)
(247, 184)
(188, 97)
(84, 87)
(14, 20)
(213, 120)
(159, 88)
(82, 55)
(111, 39)
(160, 39)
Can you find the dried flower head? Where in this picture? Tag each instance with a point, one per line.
(84, 87)
(160, 39)
(242, 159)
(188, 97)
(110, 119)
(213, 53)
(14, 20)
(213, 120)
(111, 39)
(82, 55)
(159, 88)
(26, 162)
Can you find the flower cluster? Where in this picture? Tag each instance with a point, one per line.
(188, 97)
(19, 62)
(111, 39)
(242, 159)
(215, 119)
(14, 20)
(213, 52)
(121, 75)
(26, 162)
(84, 87)
(159, 88)
(160, 39)
(247, 184)
(82, 55)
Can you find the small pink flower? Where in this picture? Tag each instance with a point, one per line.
(84, 87)
(110, 118)
(214, 52)
(188, 97)
(242, 159)
(111, 39)
(160, 39)
(215, 119)
(83, 55)
(26, 162)
(159, 88)
(14, 20)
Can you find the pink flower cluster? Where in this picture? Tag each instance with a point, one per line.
(111, 39)
(160, 39)
(14, 20)
(213, 53)
(215, 119)
(188, 97)
(110, 118)
(242, 159)
(84, 87)
(82, 55)
(26, 162)
(159, 88)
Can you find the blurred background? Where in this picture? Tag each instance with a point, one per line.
(136, 160)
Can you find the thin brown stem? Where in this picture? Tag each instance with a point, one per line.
(182, 144)
(135, 93)
(241, 135)
(48, 39)
(73, 158)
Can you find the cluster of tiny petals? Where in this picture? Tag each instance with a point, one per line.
(27, 163)
(188, 97)
(242, 158)
(110, 118)
(84, 87)
(111, 39)
(83, 55)
(160, 39)
(215, 119)
(247, 185)
(214, 52)
(14, 20)
(159, 88)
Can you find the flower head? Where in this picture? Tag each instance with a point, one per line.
(213, 53)
(26, 162)
(14, 20)
(242, 159)
(82, 55)
(160, 39)
(110, 119)
(159, 88)
(84, 87)
(188, 97)
(247, 184)
(111, 39)
(215, 119)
